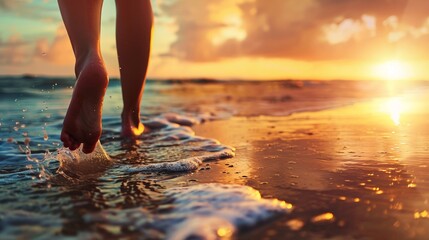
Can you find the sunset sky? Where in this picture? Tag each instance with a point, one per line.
(238, 39)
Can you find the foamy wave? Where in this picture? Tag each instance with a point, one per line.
(169, 146)
(205, 211)
(183, 165)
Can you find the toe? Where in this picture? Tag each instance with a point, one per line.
(74, 146)
(89, 147)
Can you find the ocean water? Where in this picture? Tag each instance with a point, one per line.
(49, 192)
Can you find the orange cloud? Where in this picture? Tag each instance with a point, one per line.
(305, 30)
(59, 51)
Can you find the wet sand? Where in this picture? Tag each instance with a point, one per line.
(354, 172)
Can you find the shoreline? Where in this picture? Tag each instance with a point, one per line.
(327, 162)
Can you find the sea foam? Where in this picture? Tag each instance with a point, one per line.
(169, 146)
(204, 211)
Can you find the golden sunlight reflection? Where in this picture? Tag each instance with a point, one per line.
(395, 107)
(393, 70)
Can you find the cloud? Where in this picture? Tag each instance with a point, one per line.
(195, 28)
(14, 50)
(305, 30)
(59, 51)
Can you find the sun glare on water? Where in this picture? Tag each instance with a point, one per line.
(392, 70)
(395, 107)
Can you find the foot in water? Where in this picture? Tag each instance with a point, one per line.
(82, 123)
(131, 125)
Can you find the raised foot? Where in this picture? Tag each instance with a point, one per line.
(82, 123)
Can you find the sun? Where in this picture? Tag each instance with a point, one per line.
(392, 70)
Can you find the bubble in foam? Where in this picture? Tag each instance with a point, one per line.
(77, 164)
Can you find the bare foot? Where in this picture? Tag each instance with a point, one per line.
(131, 125)
(82, 123)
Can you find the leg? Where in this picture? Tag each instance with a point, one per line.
(133, 36)
(82, 123)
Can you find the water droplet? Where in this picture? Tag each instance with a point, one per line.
(45, 135)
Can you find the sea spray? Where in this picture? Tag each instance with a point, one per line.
(77, 164)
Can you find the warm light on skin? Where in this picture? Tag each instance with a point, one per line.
(392, 70)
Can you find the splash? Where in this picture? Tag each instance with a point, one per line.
(76, 164)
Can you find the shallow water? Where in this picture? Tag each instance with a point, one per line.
(133, 197)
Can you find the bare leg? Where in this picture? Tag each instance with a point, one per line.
(82, 123)
(133, 36)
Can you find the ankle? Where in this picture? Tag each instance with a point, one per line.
(84, 58)
(131, 115)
